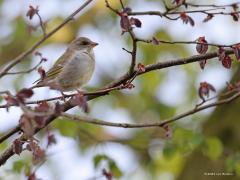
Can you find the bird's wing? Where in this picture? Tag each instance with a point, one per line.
(56, 68)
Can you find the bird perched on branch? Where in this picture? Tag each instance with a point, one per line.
(73, 69)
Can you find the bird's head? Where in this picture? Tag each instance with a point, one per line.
(82, 43)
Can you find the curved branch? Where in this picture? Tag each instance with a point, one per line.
(95, 121)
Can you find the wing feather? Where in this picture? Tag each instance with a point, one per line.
(57, 67)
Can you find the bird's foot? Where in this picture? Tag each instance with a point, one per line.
(64, 96)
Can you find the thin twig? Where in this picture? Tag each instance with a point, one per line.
(26, 71)
(95, 121)
(188, 42)
(41, 24)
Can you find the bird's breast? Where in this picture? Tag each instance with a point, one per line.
(78, 71)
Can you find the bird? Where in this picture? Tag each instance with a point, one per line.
(73, 69)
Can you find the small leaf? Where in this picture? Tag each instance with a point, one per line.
(236, 50)
(186, 19)
(108, 175)
(221, 53)
(42, 73)
(202, 63)
(81, 101)
(17, 146)
(51, 140)
(27, 126)
(202, 45)
(179, 2)
(168, 131)
(11, 100)
(32, 176)
(141, 67)
(205, 89)
(42, 107)
(208, 18)
(32, 11)
(37, 152)
(235, 16)
(127, 10)
(155, 41)
(227, 62)
(24, 93)
(235, 7)
(136, 22)
(125, 24)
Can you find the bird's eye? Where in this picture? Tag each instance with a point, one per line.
(84, 43)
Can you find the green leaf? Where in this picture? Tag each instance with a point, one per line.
(169, 150)
(98, 158)
(112, 166)
(18, 166)
(66, 128)
(115, 169)
(233, 164)
(213, 148)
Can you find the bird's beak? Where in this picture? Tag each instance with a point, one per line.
(93, 44)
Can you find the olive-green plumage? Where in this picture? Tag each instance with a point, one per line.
(73, 69)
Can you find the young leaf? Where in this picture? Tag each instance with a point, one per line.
(202, 45)
(227, 62)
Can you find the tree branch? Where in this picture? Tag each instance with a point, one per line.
(95, 121)
(9, 152)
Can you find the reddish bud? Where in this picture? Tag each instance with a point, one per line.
(11, 100)
(186, 19)
(38, 54)
(235, 16)
(136, 22)
(42, 107)
(155, 41)
(17, 146)
(168, 131)
(205, 89)
(227, 62)
(81, 101)
(235, 7)
(202, 63)
(208, 18)
(221, 53)
(236, 50)
(42, 72)
(51, 139)
(27, 125)
(32, 176)
(179, 2)
(107, 175)
(202, 45)
(37, 152)
(24, 93)
(141, 67)
(126, 10)
(125, 24)
(129, 86)
(32, 11)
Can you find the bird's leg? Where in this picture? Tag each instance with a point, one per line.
(80, 92)
(64, 96)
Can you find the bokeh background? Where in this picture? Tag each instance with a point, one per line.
(196, 140)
